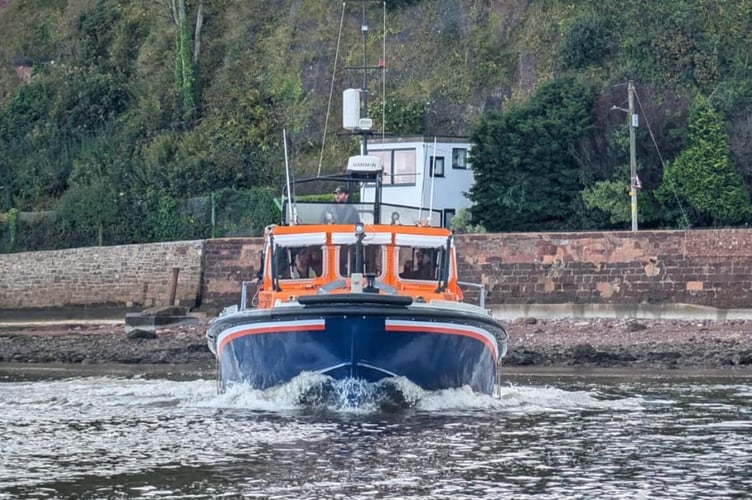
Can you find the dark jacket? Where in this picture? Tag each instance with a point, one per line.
(341, 213)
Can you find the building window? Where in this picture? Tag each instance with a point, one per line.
(459, 158)
(437, 166)
(386, 162)
(449, 214)
(399, 166)
(404, 167)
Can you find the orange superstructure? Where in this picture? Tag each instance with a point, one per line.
(416, 261)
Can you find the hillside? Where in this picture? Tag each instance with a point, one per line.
(112, 113)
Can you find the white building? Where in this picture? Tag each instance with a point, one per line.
(422, 172)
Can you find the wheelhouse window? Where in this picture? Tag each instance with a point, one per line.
(418, 263)
(371, 260)
(399, 166)
(299, 263)
(459, 158)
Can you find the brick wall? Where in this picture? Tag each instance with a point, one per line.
(227, 263)
(711, 268)
(130, 276)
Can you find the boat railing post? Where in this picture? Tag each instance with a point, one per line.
(481, 287)
(244, 295)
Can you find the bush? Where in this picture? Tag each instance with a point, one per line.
(587, 43)
(243, 212)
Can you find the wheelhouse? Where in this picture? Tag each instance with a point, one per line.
(318, 259)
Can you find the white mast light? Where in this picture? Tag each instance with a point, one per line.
(365, 124)
(351, 109)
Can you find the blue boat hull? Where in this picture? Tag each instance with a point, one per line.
(436, 349)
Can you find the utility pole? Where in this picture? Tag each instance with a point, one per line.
(634, 185)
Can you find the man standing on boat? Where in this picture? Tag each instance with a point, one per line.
(342, 212)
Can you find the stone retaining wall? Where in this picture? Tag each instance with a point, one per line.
(703, 267)
(128, 276)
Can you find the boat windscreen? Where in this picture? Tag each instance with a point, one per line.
(419, 263)
(296, 263)
(372, 260)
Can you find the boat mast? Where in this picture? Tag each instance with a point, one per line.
(364, 94)
(355, 119)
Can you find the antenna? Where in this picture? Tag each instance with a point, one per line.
(355, 102)
(331, 90)
(290, 216)
(422, 183)
(433, 179)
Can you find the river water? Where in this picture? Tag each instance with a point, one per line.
(545, 435)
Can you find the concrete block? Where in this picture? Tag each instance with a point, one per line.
(150, 323)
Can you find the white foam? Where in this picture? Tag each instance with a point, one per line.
(527, 398)
(95, 394)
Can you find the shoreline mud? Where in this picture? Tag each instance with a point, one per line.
(550, 343)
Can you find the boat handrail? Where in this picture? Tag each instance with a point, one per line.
(244, 294)
(481, 287)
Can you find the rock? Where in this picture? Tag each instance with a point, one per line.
(522, 357)
(142, 334)
(127, 360)
(582, 353)
(634, 326)
(745, 358)
(204, 347)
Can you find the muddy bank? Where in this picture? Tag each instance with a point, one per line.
(604, 342)
(545, 343)
(103, 344)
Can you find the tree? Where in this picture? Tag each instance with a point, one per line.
(702, 175)
(611, 198)
(186, 59)
(86, 212)
(587, 43)
(462, 223)
(524, 160)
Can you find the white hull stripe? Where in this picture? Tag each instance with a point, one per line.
(446, 328)
(242, 330)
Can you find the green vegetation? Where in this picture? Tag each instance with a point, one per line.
(462, 223)
(702, 174)
(526, 171)
(125, 122)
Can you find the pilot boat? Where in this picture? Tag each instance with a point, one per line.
(364, 311)
(366, 301)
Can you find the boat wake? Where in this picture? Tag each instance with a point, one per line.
(320, 392)
(101, 395)
(317, 391)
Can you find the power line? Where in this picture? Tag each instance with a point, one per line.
(660, 156)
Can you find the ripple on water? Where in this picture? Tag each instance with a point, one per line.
(145, 438)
